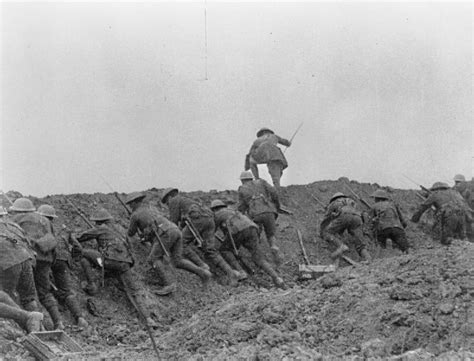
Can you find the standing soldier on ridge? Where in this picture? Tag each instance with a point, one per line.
(152, 224)
(260, 201)
(113, 256)
(342, 215)
(61, 271)
(452, 212)
(388, 221)
(39, 231)
(467, 191)
(185, 211)
(265, 150)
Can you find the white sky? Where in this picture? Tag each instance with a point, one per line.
(118, 90)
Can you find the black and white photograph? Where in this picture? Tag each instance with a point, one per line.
(245, 180)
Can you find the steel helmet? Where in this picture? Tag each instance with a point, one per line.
(22, 205)
(264, 130)
(380, 193)
(246, 174)
(336, 196)
(167, 192)
(439, 185)
(135, 196)
(3, 211)
(47, 211)
(459, 178)
(101, 215)
(217, 203)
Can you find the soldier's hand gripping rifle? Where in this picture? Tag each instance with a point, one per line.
(293, 136)
(194, 231)
(419, 185)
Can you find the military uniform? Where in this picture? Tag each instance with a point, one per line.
(388, 222)
(117, 261)
(243, 232)
(265, 150)
(202, 218)
(260, 201)
(342, 215)
(30, 321)
(62, 276)
(40, 232)
(16, 265)
(451, 213)
(148, 220)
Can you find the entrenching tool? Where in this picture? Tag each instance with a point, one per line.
(307, 270)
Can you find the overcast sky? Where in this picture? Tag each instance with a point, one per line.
(119, 91)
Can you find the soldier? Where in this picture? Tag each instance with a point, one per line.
(462, 187)
(16, 274)
(114, 256)
(265, 150)
(61, 271)
(40, 233)
(342, 215)
(388, 221)
(29, 321)
(260, 201)
(201, 219)
(152, 224)
(452, 212)
(241, 231)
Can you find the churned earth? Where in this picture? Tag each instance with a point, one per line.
(401, 307)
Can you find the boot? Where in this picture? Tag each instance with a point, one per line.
(278, 282)
(82, 323)
(365, 256)
(53, 311)
(91, 287)
(232, 274)
(73, 304)
(339, 251)
(204, 275)
(33, 322)
(168, 285)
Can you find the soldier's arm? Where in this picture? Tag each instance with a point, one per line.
(243, 205)
(423, 207)
(400, 216)
(88, 235)
(132, 228)
(283, 141)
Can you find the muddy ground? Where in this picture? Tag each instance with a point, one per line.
(410, 307)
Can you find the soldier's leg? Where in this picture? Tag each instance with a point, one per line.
(332, 235)
(9, 279)
(445, 227)
(249, 239)
(43, 287)
(26, 287)
(354, 228)
(177, 256)
(29, 321)
(227, 253)
(189, 251)
(275, 169)
(91, 287)
(254, 168)
(131, 284)
(207, 229)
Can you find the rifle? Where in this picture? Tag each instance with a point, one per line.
(239, 258)
(115, 193)
(293, 136)
(6, 197)
(316, 198)
(155, 231)
(84, 218)
(421, 186)
(194, 231)
(363, 201)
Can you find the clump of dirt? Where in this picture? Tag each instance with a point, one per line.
(419, 303)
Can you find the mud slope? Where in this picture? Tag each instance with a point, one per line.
(399, 303)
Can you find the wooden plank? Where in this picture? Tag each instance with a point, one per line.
(307, 272)
(300, 239)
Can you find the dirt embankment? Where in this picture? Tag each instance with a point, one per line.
(398, 303)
